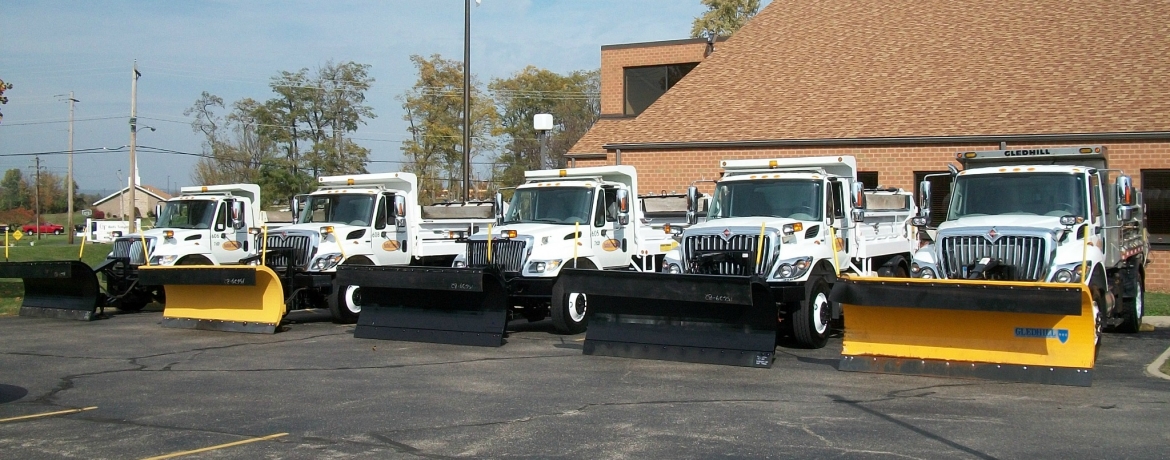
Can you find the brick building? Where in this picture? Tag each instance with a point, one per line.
(902, 85)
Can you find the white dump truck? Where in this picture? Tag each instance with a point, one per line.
(1043, 215)
(777, 235)
(583, 218)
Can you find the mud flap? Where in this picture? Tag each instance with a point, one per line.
(997, 330)
(242, 298)
(727, 320)
(461, 306)
(56, 289)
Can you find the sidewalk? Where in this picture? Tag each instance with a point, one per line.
(1155, 368)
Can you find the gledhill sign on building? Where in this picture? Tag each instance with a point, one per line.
(903, 85)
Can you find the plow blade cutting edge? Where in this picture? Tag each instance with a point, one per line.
(708, 319)
(996, 330)
(460, 306)
(56, 289)
(242, 298)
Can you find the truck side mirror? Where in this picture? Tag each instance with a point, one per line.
(692, 205)
(399, 210)
(498, 204)
(1125, 192)
(294, 205)
(157, 212)
(380, 217)
(857, 199)
(924, 200)
(623, 203)
(238, 216)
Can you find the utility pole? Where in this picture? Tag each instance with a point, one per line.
(37, 195)
(133, 142)
(467, 100)
(69, 180)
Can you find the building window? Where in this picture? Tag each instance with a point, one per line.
(869, 178)
(644, 85)
(1156, 195)
(940, 193)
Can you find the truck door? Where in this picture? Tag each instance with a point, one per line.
(836, 214)
(229, 232)
(611, 241)
(390, 243)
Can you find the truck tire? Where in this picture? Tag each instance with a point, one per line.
(570, 314)
(811, 322)
(1133, 310)
(58, 232)
(346, 304)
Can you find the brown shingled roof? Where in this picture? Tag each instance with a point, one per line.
(603, 131)
(907, 68)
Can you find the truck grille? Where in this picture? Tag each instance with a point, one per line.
(131, 248)
(1026, 254)
(714, 255)
(507, 253)
(302, 250)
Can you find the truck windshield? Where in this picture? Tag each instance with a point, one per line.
(344, 208)
(787, 198)
(1038, 194)
(557, 205)
(192, 214)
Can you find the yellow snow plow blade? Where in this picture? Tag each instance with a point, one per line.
(999, 330)
(221, 298)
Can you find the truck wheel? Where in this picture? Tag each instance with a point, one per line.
(1132, 310)
(131, 304)
(346, 304)
(811, 321)
(570, 314)
(58, 232)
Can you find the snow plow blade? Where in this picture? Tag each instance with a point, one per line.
(242, 298)
(56, 289)
(460, 306)
(726, 320)
(996, 330)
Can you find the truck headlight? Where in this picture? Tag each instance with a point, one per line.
(926, 273)
(459, 264)
(163, 260)
(326, 262)
(541, 266)
(1068, 274)
(673, 269)
(793, 268)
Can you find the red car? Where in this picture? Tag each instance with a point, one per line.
(45, 228)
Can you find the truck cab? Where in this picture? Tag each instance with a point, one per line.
(797, 223)
(1042, 215)
(578, 218)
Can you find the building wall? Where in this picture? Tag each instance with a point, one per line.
(615, 58)
(674, 170)
(117, 206)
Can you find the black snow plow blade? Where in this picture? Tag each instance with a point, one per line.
(461, 306)
(57, 289)
(693, 318)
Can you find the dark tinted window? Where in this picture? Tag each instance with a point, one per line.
(644, 85)
(869, 178)
(1156, 194)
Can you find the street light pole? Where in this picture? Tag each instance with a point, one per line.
(69, 179)
(467, 101)
(133, 141)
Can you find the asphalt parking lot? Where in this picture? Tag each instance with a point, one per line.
(137, 390)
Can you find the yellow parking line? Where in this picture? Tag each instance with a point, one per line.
(221, 446)
(47, 414)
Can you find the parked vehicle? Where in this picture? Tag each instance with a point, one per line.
(45, 227)
(581, 217)
(778, 235)
(355, 220)
(1039, 251)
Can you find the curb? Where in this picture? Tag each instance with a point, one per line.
(1155, 368)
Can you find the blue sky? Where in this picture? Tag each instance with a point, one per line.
(232, 49)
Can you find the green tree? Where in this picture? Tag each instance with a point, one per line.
(4, 99)
(573, 101)
(724, 17)
(13, 191)
(434, 112)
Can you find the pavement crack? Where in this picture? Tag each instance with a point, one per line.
(358, 368)
(927, 434)
(403, 447)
